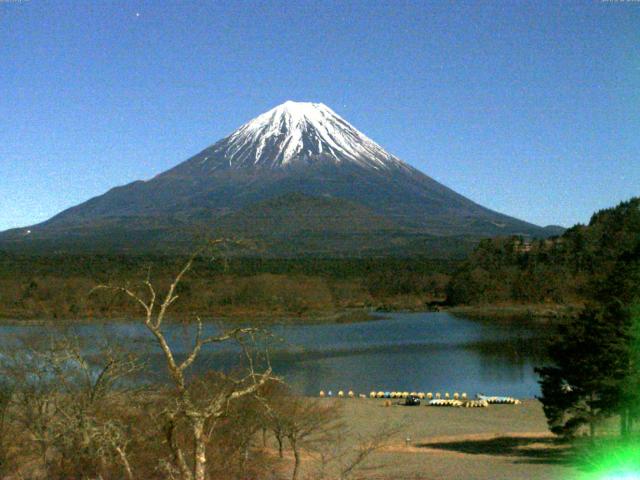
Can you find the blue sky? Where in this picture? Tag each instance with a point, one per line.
(529, 108)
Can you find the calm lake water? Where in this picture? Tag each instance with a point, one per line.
(427, 352)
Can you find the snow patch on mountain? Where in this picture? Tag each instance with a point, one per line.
(301, 132)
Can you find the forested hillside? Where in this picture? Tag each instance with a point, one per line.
(564, 269)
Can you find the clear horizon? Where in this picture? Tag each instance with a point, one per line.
(532, 110)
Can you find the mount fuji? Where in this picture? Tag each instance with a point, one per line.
(300, 179)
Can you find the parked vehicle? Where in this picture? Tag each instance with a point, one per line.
(411, 401)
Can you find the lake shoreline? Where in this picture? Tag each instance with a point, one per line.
(406, 351)
(536, 313)
(344, 316)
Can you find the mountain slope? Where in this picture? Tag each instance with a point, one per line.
(295, 148)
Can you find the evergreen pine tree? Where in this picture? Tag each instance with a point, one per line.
(595, 361)
(589, 363)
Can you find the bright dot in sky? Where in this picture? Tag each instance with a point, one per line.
(137, 14)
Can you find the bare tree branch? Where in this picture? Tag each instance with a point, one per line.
(195, 411)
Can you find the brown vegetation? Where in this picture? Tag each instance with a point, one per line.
(75, 411)
(68, 415)
(61, 296)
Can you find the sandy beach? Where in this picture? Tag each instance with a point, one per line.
(501, 442)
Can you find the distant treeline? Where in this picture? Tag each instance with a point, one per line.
(560, 270)
(104, 265)
(564, 269)
(60, 286)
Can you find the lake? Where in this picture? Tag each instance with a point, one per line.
(429, 352)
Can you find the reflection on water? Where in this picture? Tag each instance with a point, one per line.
(418, 351)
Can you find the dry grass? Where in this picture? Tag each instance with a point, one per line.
(499, 442)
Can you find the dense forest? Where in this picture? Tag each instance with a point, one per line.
(60, 286)
(565, 269)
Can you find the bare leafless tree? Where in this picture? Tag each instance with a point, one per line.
(62, 396)
(6, 395)
(35, 395)
(365, 447)
(345, 453)
(302, 421)
(197, 412)
(87, 438)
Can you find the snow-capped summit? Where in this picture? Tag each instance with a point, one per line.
(297, 133)
(298, 178)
